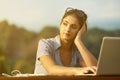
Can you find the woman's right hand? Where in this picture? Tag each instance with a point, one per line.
(86, 70)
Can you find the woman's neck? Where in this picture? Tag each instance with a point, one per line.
(66, 45)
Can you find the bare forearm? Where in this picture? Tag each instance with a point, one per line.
(62, 71)
(53, 69)
(58, 70)
(89, 59)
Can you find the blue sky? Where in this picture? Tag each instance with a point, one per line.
(35, 14)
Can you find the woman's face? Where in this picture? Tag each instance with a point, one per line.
(69, 28)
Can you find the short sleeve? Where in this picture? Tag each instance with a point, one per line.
(43, 48)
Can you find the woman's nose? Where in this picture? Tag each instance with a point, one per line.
(68, 28)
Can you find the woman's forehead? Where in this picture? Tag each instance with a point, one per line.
(71, 19)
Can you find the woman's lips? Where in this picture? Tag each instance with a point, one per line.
(67, 34)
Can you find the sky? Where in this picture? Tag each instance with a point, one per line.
(35, 14)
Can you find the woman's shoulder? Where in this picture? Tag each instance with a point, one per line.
(50, 41)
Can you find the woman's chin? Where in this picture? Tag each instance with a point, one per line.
(66, 39)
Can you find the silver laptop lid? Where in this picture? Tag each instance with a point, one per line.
(109, 57)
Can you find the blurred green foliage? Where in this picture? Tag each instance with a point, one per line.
(18, 46)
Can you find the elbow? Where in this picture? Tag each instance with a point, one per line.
(92, 63)
(95, 62)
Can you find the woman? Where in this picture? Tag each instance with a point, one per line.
(60, 55)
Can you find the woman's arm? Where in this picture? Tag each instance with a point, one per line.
(53, 69)
(88, 58)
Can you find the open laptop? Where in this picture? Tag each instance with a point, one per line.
(109, 57)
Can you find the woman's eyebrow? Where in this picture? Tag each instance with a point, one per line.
(65, 21)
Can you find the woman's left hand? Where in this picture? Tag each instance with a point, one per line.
(82, 32)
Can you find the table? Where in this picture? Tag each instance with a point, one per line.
(62, 78)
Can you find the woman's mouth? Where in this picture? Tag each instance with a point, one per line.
(67, 34)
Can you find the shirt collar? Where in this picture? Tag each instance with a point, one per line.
(58, 43)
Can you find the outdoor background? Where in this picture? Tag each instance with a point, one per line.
(24, 22)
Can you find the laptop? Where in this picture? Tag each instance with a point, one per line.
(109, 57)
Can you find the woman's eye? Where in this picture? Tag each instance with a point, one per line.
(64, 23)
(74, 27)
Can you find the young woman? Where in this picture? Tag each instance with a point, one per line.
(62, 54)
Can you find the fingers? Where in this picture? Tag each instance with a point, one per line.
(86, 70)
(84, 26)
(94, 68)
(89, 70)
(83, 30)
